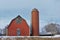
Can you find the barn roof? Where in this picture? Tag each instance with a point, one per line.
(14, 19)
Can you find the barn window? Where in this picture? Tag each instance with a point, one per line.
(18, 32)
(18, 20)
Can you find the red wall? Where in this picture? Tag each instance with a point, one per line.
(24, 28)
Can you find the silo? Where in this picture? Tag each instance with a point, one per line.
(35, 22)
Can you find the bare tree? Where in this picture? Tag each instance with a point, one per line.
(51, 28)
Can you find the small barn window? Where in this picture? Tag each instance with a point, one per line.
(18, 20)
(18, 32)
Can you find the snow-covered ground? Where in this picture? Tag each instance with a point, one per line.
(56, 36)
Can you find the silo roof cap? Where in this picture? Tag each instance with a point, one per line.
(35, 10)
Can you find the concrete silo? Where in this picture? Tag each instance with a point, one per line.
(35, 22)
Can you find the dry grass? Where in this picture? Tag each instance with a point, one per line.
(49, 39)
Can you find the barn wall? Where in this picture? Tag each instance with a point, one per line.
(23, 26)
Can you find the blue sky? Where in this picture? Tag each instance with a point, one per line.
(49, 11)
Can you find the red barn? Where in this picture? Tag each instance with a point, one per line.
(18, 27)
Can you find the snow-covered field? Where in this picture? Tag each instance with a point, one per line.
(55, 36)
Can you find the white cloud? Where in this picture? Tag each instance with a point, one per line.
(42, 24)
(3, 23)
